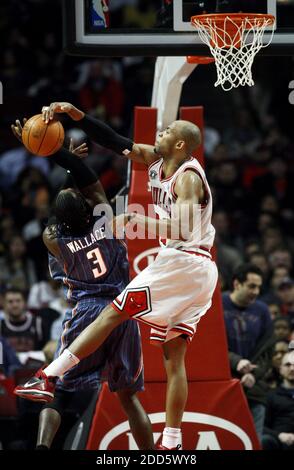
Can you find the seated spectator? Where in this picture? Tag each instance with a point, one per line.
(252, 246)
(32, 234)
(9, 361)
(15, 267)
(243, 137)
(271, 295)
(278, 275)
(270, 205)
(273, 377)
(285, 292)
(275, 310)
(249, 333)
(278, 182)
(23, 330)
(43, 293)
(14, 161)
(281, 257)
(259, 260)
(228, 259)
(228, 186)
(31, 191)
(7, 230)
(282, 328)
(279, 421)
(272, 239)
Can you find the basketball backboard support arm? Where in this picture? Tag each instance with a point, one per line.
(169, 76)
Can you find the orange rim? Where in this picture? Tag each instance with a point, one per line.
(238, 18)
(199, 59)
(225, 34)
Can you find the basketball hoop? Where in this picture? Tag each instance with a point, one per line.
(234, 40)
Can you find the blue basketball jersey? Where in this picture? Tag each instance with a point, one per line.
(90, 266)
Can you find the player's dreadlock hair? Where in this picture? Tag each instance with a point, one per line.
(72, 213)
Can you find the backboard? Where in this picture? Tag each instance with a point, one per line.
(160, 27)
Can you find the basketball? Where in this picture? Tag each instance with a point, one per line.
(40, 138)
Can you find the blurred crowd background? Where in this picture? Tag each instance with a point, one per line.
(249, 150)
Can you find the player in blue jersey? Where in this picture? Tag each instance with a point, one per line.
(94, 270)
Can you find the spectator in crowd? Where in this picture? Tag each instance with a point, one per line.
(9, 361)
(102, 93)
(43, 293)
(275, 310)
(277, 182)
(7, 230)
(281, 257)
(243, 137)
(278, 275)
(14, 161)
(15, 267)
(32, 234)
(228, 186)
(23, 331)
(285, 292)
(250, 340)
(252, 245)
(273, 377)
(272, 238)
(259, 260)
(282, 328)
(30, 193)
(279, 422)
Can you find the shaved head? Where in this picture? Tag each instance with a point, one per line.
(178, 140)
(189, 133)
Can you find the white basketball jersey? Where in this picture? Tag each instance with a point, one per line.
(164, 197)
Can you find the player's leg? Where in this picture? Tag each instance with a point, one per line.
(177, 389)
(41, 387)
(49, 422)
(50, 419)
(97, 332)
(140, 424)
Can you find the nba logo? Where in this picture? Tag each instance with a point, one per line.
(100, 13)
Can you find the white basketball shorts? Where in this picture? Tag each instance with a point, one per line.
(171, 294)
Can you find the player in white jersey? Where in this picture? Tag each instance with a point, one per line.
(173, 292)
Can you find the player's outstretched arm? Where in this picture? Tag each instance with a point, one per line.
(102, 134)
(86, 180)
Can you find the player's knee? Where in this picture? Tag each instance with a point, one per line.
(174, 366)
(127, 398)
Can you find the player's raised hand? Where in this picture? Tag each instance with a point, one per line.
(17, 129)
(81, 151)
(60, 108)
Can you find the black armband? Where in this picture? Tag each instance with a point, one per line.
(81, 173)
(103, 135)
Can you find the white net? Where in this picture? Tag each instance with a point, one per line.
(234, 41)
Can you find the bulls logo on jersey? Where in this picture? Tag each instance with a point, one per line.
(152, 174)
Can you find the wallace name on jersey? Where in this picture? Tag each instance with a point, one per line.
(85, 242)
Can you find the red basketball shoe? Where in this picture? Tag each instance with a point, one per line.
(161, 447)
(39, 388)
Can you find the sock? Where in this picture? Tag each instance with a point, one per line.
(171, 437)
(62, 364)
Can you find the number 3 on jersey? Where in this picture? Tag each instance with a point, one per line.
(95, 257)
